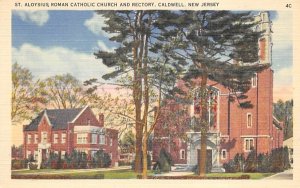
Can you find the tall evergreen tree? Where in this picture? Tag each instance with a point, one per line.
(143, 67)
(221, 46)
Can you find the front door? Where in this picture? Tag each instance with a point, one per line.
(208, 159)
(44, 154)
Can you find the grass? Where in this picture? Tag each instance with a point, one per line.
(252, 175)
(113, 174)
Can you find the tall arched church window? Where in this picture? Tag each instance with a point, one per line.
(211, 102)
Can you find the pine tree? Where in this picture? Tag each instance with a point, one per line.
(221, 46)
(143, 65)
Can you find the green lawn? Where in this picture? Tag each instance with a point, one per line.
(113, 174)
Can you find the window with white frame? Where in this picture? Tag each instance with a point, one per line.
(254, 80)
(249, 120)
(82, 138)
(182, 154)
(55, 138)
(63, 138)
(102, 139)
(29, 139)
(224, 154)
(36, 138)
(35, 155)
(93, 153)
(44, 137)
(63, 154)
(28, 154)
(248, 144)
(94, 138)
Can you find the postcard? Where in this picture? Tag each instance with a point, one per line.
(149, 93)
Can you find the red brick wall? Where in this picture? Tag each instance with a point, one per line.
(86, 116)
(262, 120)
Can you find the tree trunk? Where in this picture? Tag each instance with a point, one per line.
(138, 149)
(202, 158)
(145, 161)
(203, 124)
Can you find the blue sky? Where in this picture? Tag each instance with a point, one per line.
(57, 42)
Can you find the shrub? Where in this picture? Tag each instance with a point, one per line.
(235, 165)
(164, 161)
(263, 163)
(124, 163)
(230, 167)
(19, 164)
(251, 163)
(279, 160)
(101, 160)
(32, 166)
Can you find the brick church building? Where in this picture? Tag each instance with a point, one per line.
(64, 130)
(232, 129)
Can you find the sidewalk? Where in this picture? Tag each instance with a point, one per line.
(175, 174)
(286, 175)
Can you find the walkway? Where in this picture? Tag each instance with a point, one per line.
(175, 174)
(286, 175)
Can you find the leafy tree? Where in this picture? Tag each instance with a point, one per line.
(27, 99)
(65, 91)
(128, 141)
(141, 66)
(221, 46)
(283, 111)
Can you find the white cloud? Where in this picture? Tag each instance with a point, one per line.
(104, 47)
(45, 62)
(37, 17)
(95, 25)
(282, 28)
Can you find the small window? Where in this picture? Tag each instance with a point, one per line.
(248, 144)
(35, 155)
(63, 138)
(93, 153)
(224, 154)
(36, 138)
(29, 138)
(94, 138)
(254, 80)
(28, 153)
(44, 137)
(182, 154)
(102, 139)
(55, 138)
(63, 154)
(82, 138)
(249, 120)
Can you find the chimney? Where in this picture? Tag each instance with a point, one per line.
(101, 119)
